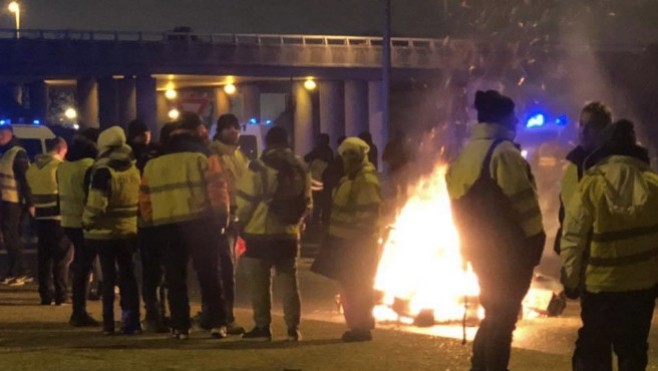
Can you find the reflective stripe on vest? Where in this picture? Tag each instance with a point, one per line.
(72, 193)
(8, 186)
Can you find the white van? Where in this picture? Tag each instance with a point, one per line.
(33, 138)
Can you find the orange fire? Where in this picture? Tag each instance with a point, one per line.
(421, 263)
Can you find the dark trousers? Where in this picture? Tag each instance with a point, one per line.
(199, 240)
(357, 298)
(83, 260)
(10, 223)
(118, 267)
(614, 321)
(54, 257)
(227, 274)
(152, 247)
(501, 294)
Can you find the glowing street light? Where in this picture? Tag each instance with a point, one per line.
(71, 113)
(171, 94)
(310, 84)
(15, 8)
(230, 89)
(173, 114)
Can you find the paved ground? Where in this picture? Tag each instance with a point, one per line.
(37, 337)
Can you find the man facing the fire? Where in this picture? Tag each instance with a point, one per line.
(497, 213)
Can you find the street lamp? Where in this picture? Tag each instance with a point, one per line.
(15, 8)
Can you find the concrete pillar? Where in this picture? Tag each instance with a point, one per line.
(222, 103)
(147, 102)
(377, 127)
(86, 96)
(108, 103)
(332, 110)
(356, 107)
(39, 100)
(250, 102)
(303, 132)
(127, 100)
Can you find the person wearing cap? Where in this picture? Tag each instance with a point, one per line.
(235, 163)
(504, 272)
(53, 246)
(109, 221)
(350, 252)
(613, 215)
(16, 199)
(273, 199)
(71, 175)
(184, 197)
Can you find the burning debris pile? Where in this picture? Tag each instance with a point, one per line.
(422, 278)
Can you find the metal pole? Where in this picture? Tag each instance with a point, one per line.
(18, 23)
(386, 64)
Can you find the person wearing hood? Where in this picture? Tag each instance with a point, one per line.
(350, 252)
(235, 163)
(72, 194)
(613, 215)
(16, 198)
(318, 160)
(274, 197)
(595, 117)
(184, 197)
(496, 209)
(109, 221)
(53, 247)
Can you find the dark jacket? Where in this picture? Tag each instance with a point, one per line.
(21, 164)
(185, 142)
(323, 153)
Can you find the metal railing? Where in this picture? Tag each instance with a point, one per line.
(231, 39)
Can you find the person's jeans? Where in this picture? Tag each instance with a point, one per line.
(54, 257)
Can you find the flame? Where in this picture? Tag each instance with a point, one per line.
(421, 264)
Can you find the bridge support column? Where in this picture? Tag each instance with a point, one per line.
(332, 110)
(127, 100)
(147, 102)
(378, 129)
(86, 96)
(356, 107)
(108, 103)
(303, 131)
(39, 100)
(222, 103)
(250, 102)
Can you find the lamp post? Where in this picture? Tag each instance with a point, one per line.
(15, 8)
(386, 63)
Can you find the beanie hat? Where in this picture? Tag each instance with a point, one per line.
(226, 121)
(277, 136)
(492, 106)
(136, 128)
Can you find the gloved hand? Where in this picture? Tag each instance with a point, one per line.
(572, 293)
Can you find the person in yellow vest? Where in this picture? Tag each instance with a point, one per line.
(490, 169)
(350, 254)
(318, 160)
(184, 196)
(594, 118)
(16, 198)
(234, 162)
(613, 214)
(72, 195)
(273, 199)
(53, 247)
(110, 226)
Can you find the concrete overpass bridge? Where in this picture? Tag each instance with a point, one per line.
(118, 76)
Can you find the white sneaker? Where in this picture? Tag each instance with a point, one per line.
(18, 281)
(218, 332)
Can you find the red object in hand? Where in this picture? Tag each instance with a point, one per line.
(240, 247)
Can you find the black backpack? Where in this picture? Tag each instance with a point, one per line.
(489, 229)
(289, 202)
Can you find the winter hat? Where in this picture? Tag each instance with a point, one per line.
(353, 143)
(136, 128)
(276, 137)
(492, 106)
(227, 121)
(112, 137)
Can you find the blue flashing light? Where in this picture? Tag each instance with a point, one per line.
(253, 121)
(268, 122)
(536, 121)
(563, 120)
(3, 122)
(36, 122)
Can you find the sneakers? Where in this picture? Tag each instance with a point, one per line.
(294, 334)
(7, 280)
(354, 336)
(258, 334)
(83, 320)
(200, 321)
(218, 333)
(180, 334)
(19, 281)
(234, 329)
